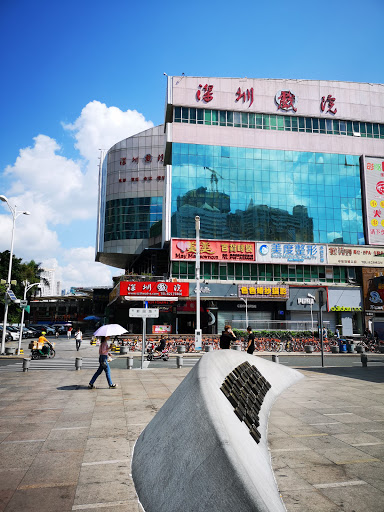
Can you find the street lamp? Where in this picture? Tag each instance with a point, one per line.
(313, 300)
(27, 287)
(197, 330)
(15, 214)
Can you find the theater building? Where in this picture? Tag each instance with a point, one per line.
(287, 177)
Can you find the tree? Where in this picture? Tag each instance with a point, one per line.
(29, 271)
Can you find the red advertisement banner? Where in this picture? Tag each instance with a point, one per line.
(154, 289)
(216, 250)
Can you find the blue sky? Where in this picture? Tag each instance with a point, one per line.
(74, 73)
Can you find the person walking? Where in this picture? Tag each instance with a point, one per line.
(69, 333)
(251, 341)
(103, 364)
(78, 338)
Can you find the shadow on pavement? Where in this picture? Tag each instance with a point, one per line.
(370, 374)
(71, 388)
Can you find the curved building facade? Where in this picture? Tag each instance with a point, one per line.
(131, 192)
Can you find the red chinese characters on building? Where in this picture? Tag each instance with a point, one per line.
(135, 159)
(286, 100)
(160, 158)
(330, 102)
(207, 91)
(245, 95)
(123, 161)
(148, 158)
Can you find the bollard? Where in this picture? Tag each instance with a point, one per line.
(275, 358)
(78, 363)
(26, 362)
(364, 360)
(130, 362)
(179, 361)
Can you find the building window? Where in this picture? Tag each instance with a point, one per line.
(278, 122)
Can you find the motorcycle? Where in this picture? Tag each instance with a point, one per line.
(46, 352)
(153, 355)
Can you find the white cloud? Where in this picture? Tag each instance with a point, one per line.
(78, 268)
(60, 191)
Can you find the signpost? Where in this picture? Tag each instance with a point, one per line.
(143, 313)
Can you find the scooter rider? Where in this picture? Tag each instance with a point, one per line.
(46, 344)
(161, 346)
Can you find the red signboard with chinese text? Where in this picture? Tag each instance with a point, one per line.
(216, 250)
(154, 289)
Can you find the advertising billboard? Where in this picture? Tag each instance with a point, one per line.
(373, 289)
(213, 250)
(285, 253)
(373, 179)
(154, 289)
(355, 255)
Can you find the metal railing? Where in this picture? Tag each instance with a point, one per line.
(277, 325)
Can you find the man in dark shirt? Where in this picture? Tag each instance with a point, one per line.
(226, 337)
(251, 341)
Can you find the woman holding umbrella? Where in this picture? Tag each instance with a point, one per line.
(103, 364)
(104, 332)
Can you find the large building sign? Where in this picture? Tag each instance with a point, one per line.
(154, 289)
(373, 176)
(308, 254)
(264, 291)
(216, 250)
(355, 255)
(373, 289)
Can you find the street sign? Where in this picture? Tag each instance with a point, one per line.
(144, 312)
(23, 304)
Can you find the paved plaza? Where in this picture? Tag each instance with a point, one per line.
(64, 447)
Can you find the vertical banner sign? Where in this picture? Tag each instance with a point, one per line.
(374, 199)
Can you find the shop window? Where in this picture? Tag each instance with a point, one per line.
(254, 274)
(269, 273)
(239, 271)
(261, 272)
(307, 274)
(299, 273)
(322, 126)
(369, 130)
(321, 273)
(206, 270)
(375, 127)
(280, 123)
(231, 270)
(229, 118)
(191, 270)
(301, 124)
(265, 122)
(287, 123)
(294, 124)
(215, 117)
(276, 272)
(236, 119)
(223, 118)
(215, 270)
(223, 271)
(183, 270)
(207, 117)
(284, 272)
(308, 124)
(252, 120)
(259, 121)
(244, 119)
(200, 116)
(336, 274)
(192, 115)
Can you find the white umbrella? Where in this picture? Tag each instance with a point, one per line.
(110, 330)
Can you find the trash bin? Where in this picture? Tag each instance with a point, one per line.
(343, 346)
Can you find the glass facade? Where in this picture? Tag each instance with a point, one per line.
(278, 122)
(258, 272)
(268, 195)
(133, 218)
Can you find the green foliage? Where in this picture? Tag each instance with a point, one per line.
(29, 271)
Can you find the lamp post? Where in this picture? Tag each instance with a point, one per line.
(313, 299)
(15, 214)
(27, 287)
(197, 330)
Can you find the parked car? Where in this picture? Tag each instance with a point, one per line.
(8, 336)
(40, 328)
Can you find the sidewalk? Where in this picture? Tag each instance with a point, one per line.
(64, 447)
